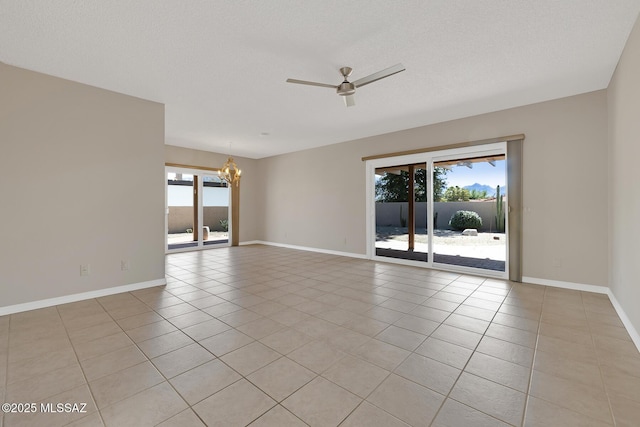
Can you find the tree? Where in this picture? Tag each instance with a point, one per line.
(477, 194)
(392, 188)
(439, 183)
(456, 194)
(395, 187)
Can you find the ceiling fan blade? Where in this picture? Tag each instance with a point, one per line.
(304, 82)
(379, 75)
(349, 100)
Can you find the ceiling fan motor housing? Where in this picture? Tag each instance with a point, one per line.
(346, 89)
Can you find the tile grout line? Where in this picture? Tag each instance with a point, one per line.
(6, 373)
(147, 360)
(451, 282)
(189, 406)
(162, 374)
(533, 360)
(601, 374)
(390, 372)
(277, 403)
(462, 370)
(443, 289)
(139, 349)
(79, 364)
(413, 352)
(599, 366)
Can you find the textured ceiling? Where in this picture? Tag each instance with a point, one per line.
(220, 66)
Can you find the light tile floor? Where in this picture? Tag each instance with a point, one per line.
(276, 337)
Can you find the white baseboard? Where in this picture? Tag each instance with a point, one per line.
(566, 285)
(251, 242)
(633, 333)
(34, 305)
(635, 337)
(305, 248)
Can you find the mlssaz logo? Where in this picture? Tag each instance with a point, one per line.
(64, 407)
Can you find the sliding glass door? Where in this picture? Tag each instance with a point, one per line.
(182, 212)
(442, 209)
(401, 212)
(197, 209)
(472, 229)
(215, 210)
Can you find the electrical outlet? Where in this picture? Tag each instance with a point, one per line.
(124, 265)
(84, 269)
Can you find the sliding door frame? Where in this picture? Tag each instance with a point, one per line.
(371, 166)
(455, 154)
(199, 209)
(428, 157)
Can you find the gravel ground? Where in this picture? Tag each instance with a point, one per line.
(446, 242)
(443, 237)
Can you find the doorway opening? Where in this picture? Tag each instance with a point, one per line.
(442, 209)
(197, 209)
(401, 212)
(472, 229)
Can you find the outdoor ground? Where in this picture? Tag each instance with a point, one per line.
(445, 242)
(188, 237)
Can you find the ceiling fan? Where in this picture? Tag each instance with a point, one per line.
(347, 89)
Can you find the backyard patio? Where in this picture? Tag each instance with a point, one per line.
(182, 240)
(486, 250)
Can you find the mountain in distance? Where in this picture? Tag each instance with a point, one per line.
(491, 191)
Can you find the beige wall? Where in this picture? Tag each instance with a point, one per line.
(565, 154)
(624, 178)
(54, 132)
(250, 212)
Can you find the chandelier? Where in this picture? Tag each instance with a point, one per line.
(230, 172)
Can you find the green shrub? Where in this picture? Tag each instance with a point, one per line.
(465, 219)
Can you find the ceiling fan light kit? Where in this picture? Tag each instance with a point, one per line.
(345, 88)
(348, 89)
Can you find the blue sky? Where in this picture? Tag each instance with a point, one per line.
(482, 173)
